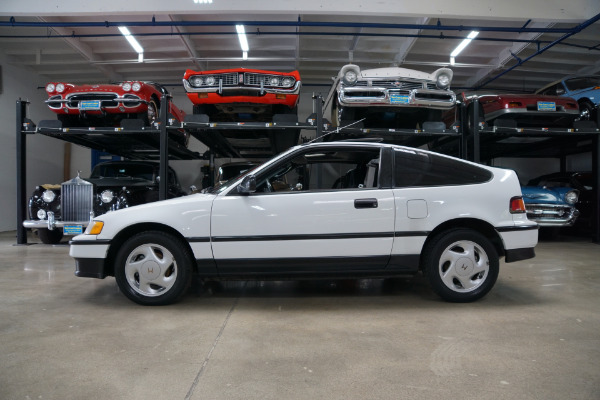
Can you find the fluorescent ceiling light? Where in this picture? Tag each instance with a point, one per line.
(242, 36)
(134, 43)
(245, 55)
(464, 43)
(203, 1)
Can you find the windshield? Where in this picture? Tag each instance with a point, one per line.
(583, 82)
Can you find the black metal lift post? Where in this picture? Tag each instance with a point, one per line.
(21, 172)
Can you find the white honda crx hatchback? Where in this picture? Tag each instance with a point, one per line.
(322, 210)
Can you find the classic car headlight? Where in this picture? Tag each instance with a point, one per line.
(210, 80)
(273, 81)
(50, 88)
(443, 81)
(136, 86)
(127, 86)
(41, 214)
(350, 74)
(107, 196)
(287, 82)
(572, 196)
(48, 196)
(196, 81)
(60, 87)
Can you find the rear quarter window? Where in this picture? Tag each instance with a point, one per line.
(419, 169)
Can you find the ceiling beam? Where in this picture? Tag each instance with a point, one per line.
(85, 51)
(187, 42)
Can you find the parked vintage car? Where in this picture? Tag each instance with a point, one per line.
(551, 206)
(582, 181)
(107, 105)
(585, 89)
(55, 210)
(389, 97)
(321, 210)
(524, 110)
(242, 94)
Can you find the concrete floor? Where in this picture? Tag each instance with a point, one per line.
(535, 336)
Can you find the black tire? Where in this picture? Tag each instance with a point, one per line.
(587, 111)
(48, 236)
(140, 275)
(152, 114)
(461, 264)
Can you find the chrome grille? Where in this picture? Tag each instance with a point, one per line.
(251, 79)
(228, 79)
(392, 84)
(76, 200)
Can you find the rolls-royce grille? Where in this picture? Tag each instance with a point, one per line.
(106, 99)
(76, 201)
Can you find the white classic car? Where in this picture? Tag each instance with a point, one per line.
(389, 97)
(321, 210)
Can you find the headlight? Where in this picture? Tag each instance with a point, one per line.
(350, 77)
(41, 214)
(196, 81)
(136, 86)
(48, 196)
(443, 81)
(572, 196)
(287, 82)
(127, 86)
(60, 87)
(50, 88)
(210, 80)
(107, 196)
(273, 81)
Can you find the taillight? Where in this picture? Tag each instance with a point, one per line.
(515, 104)
(517, 205)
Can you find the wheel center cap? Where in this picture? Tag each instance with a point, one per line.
(464, 266)
(150, 270)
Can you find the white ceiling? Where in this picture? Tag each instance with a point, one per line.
(329, 35)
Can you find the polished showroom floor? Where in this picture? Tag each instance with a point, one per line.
(535, 336)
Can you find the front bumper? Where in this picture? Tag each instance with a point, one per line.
(243, 94)
(515, 112)
(51, 224)
(90, 257)
(379, 96)
(548, 215)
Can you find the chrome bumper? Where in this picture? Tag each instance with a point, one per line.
(260, 89)
(552, 215)
(52, 224)
(383, 97)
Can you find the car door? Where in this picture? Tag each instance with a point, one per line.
(318, 210)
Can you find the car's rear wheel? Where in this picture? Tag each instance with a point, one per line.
(153, 268)
(586, 111)
(462, 265)
(48, 236)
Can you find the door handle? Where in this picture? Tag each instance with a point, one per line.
(365, 203)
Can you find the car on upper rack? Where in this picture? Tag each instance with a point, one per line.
(585, 89)
(390, 97)
(108, 105)
(550, 205)
(321, 210)
(241, 94)
(522, 111)
(55, 210)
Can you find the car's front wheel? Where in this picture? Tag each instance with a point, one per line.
(153, 268)
(462, 265)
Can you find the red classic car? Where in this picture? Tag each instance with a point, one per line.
(240, 93)
(524, 110)
(108, 104)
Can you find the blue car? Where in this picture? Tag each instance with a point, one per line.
(584, 89)
(551, 206)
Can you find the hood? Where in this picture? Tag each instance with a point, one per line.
(542, 194)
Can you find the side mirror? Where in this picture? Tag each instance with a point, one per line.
(248, 185)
